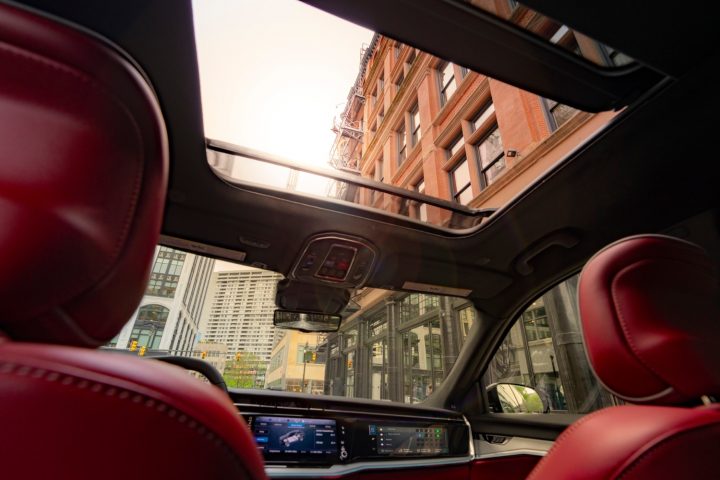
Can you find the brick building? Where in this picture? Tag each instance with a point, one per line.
(425, 124)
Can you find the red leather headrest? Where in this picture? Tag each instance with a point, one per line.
(83, 175)
(650, 310)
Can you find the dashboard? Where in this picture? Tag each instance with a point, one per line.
(307, 435)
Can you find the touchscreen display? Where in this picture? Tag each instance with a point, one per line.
(287, 435)
(401, 440)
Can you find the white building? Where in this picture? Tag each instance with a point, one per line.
(239, 311)
(168, 317)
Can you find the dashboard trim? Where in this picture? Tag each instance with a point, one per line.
(279, 471)
(315, 410)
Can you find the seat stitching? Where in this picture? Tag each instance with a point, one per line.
(68, 380)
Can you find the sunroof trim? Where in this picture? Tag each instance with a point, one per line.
(474, 217)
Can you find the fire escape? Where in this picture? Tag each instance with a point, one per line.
(346, 150)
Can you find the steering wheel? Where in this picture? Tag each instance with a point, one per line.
(197, 365)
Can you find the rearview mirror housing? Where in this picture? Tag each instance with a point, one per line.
(306, 321)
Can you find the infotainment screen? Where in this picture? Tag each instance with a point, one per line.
(287, 437)
(406, 440)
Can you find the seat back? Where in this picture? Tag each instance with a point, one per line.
(650, 312)
(83, 178)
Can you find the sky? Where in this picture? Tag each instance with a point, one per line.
(273, 75)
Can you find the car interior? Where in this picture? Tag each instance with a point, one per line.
(104, 156)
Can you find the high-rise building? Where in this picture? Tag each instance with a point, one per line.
(168, 317)
(419, 122)
(239, 312)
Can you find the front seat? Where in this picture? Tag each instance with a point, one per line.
(650, 312)
(83, 177)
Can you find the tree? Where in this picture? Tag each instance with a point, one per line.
(247, 370)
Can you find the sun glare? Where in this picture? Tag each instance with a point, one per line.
(274, 73)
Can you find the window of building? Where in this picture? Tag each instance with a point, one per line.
(400, 79)
(422, 361)
(415, 132)
(381, 115)
(558, 113)
(377, 323)
(447, 82)
(544, 351)
(536, 322)
(478, 122)
(401, 143)
(378, 373)
(466, 319)
(165, 273)
(416, 305)
(420, 208)
(460, 182)
(350, 374)
(455, 146)
(410, 60)
(491, 157)
(149, 326)
(397, 48)
(350, 338)
(300, 354)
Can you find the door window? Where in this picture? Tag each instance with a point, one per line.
(544, 352)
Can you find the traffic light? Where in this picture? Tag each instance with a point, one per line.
(349, 363)
(133, 345)
(237, 357)
(314, 357)
(142, 350)
(203, 355)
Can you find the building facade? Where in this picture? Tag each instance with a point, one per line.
(419, 122)
(296, 364)
(168, 318)
(239, 312)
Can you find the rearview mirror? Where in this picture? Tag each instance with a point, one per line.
(514, 398)
(306, 322)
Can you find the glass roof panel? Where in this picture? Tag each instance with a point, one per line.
(288, 81)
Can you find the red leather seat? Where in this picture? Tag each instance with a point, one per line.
(650, 310)
(83, 176)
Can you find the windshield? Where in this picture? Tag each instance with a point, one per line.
(396, 346)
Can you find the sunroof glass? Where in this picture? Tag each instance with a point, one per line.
(299, 84)
(554, 32)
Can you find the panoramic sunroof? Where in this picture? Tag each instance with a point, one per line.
(554, 32)
(283, 80)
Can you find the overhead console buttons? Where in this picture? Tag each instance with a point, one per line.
(336, 259)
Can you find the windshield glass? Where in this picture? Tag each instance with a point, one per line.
(395, 346)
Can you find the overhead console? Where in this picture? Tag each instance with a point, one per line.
(335, 259)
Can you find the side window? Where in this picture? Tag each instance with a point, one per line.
(540, 366)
